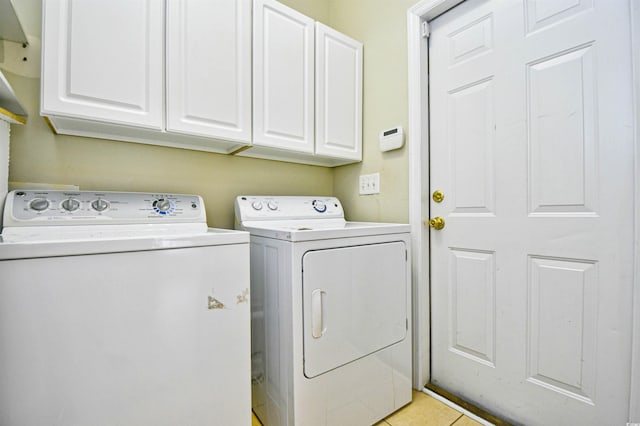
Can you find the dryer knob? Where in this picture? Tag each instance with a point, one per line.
(39, 204)
(319, 206)
(257, 205)
(272, 205)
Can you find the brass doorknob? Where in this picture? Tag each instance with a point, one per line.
(437, 223)
(437, 196)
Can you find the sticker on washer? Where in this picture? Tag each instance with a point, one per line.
(244, 297)
(214, 303)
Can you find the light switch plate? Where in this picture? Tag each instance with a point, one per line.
(369, 184)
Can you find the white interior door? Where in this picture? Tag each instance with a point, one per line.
(531, 144)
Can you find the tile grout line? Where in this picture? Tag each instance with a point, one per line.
(456, 420)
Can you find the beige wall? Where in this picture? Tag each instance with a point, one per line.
(316, 9)
(37, 155)
(381, 26)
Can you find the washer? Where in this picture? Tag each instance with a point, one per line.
(121, 309)
(331, 335)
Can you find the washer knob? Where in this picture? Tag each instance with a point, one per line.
(100, 205)
(39, 204)
(319, 206)
(272, 205)
(71, 204)
(257, 205)
(163, 205)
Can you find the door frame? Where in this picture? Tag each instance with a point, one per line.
(418, 134)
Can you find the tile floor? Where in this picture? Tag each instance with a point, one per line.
(424, 410)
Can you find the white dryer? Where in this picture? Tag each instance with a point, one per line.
(121, 309)
(331, 309)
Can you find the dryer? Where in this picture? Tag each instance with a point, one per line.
(121, 309)
(331, 309)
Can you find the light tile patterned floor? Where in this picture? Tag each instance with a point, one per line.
(423, 411)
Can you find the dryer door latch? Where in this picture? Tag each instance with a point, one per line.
(317, 313)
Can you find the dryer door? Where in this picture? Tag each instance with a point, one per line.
(354, 303)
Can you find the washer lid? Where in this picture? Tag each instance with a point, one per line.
(42, 223)
(321, 230)
(21, 247)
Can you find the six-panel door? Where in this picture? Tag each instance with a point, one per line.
(532, 146)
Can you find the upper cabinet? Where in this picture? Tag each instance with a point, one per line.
(103, 71)
(338, 94)
(307, 83)
(283, 77)
(203, 75)
(92, 72)
(209, 68)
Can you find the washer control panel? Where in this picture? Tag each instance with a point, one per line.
(261, 207)
(52, 208)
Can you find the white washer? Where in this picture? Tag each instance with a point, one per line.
(331, 309)
(121, 309)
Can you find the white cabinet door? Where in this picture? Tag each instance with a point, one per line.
(209, 68)
(103, 61)
(338, 94)
(283, 77)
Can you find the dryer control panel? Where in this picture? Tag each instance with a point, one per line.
(263, 207)
(60, 208)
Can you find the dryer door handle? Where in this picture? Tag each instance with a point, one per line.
(317, 313)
